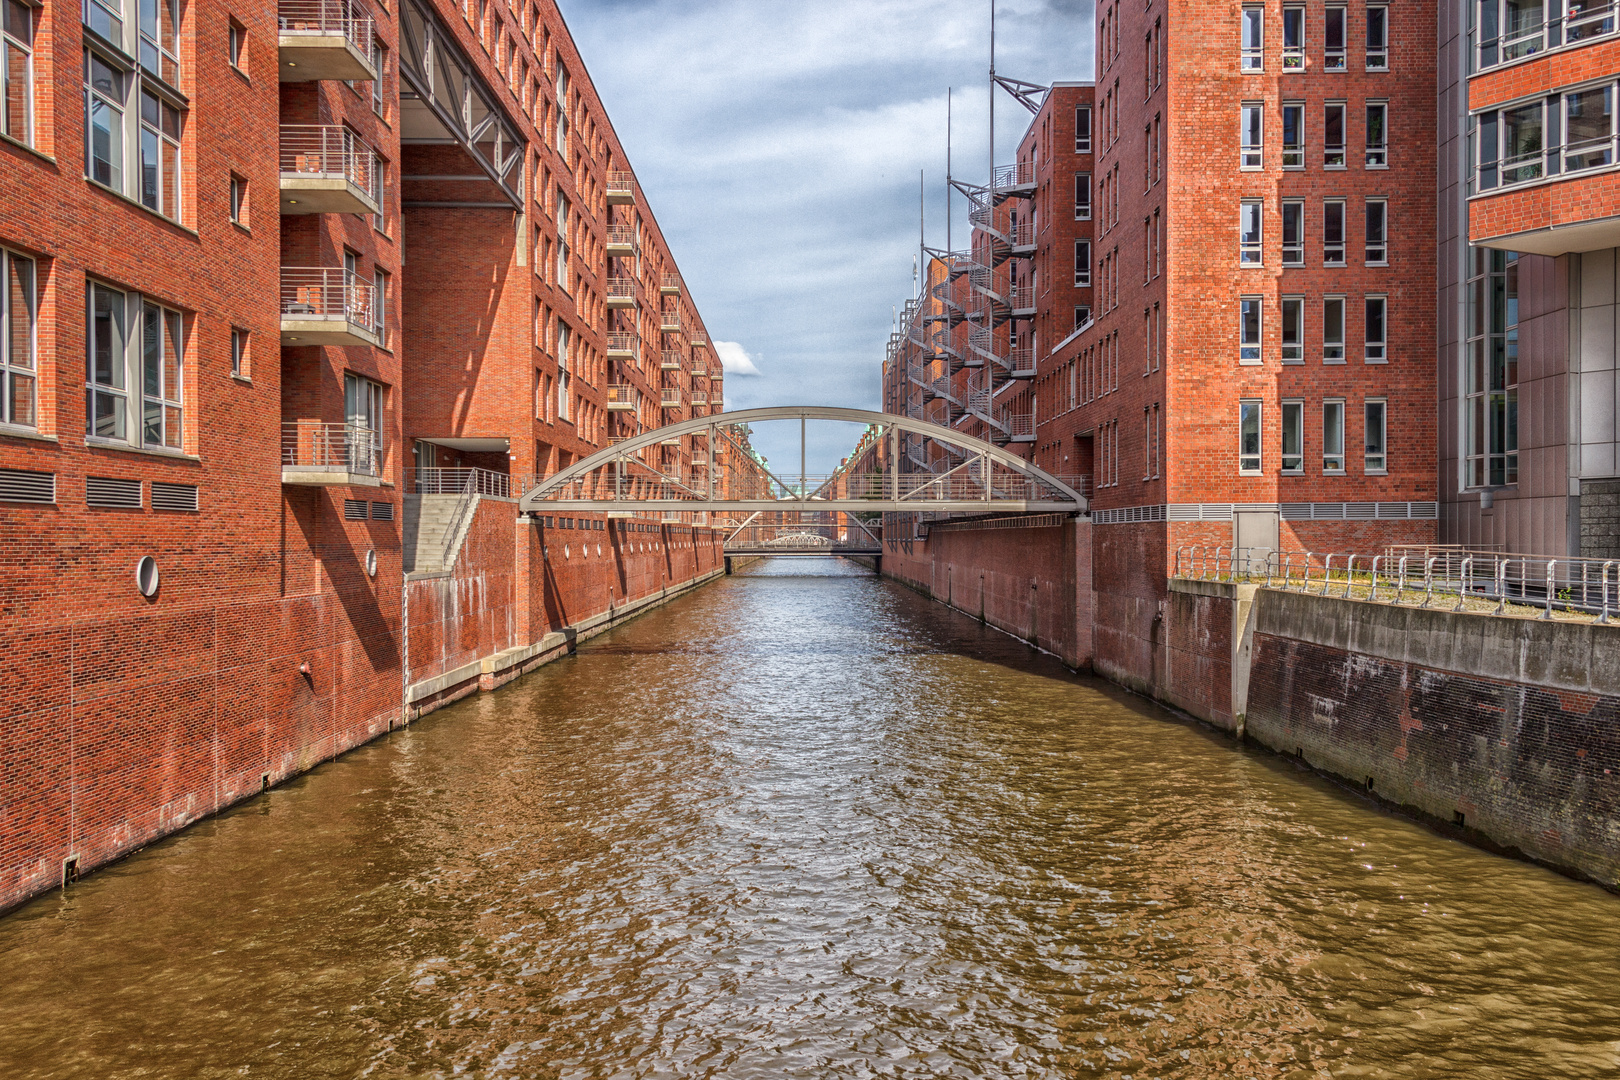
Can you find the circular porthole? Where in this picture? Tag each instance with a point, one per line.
(146, 576)
(371, 562)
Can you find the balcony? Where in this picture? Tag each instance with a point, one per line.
(700, 365)
(1017, 179)
(327, 306)
(669, 397)
(621, 189)
(621, 241)
(700, 397)
(621, 398)
(621, 293)
(326, 169)
(670, 285)
(622, 346)
(700, 341)
(670, 360)
(1021, 361)
(700, 458)
(316, 453)
(324, 39)
(669, 321)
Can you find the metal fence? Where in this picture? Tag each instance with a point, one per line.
(436, 481)
(327, 151)
(328, 293)
(316, 18)
(1490, 581)
(311, 444)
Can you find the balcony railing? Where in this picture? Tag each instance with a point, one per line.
(1517, 32)
(328, 152)
(313, 446)
(621, 238)
(1018, 174)
(670, 284)
(621, 345)
(621, 188)
(700, 366)
(328, 294)
(621, 397)
(621, 292)
(669, 320)
(326, 18)
(670, 360)
(670, 397)
(700, 397)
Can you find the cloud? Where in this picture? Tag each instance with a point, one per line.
(734, 359)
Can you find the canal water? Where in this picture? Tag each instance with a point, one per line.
(803, 823)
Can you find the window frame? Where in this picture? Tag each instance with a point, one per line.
(1082, 142)
(1252, 39)
(1376, 56)
(239, 352)
(1251, 317)
(1251, 233)
(1375, 452)
(1292, 432)
(1375, 219)
(10, 42)
(14, 373)
(1490, 375)
(1293, 254)
(1293, 52)
(236, 45)
(239, 202)
(1293, 154)
(1082, 209)
(1251, 121)
(1335, 59)
(1291, 329)
(1251, 423)
(162, 396)
(1082, 266)
(1333, 463)
(128, 366)
(1333, 250)
(1333, 328)
(1375, 154)
(1377, 347)
(1335, 155)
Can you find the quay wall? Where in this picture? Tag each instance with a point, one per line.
(127, 723)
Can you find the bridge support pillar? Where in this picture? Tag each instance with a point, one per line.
(728, 565)
(877, 565)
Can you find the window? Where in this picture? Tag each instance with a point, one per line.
(564, 376)
(1333, 135)
(1491, 363)
(104, 90)
(1293, 436)
(1333, 329)
(1253, 54)
(363, 416)
(236, 43)
(1156, 341)
(17, 69)
(1147, 250)
(1333, 37)
(1293, 135)
(1589, 128)
(160, 155)
(1082, 129)
(160, 39)
(1293, 39)
(1333, 232)
(1082, 264)
(379, 60)
(1249, 214)
(1377, 308)
(18, 342)
(1509, 146)
(1158, 245)
(161, 364)
(1509, 29)
(1293, 329)
(1377, 134)
(1377, 37)
(562, 243)
(1377, 459)
(1082, 196)
(239, 352)
(239, 205)
(1293, 232)
(105, 17)
(1249, 437)
(384, 287)
(1249, 330)
(1377, 253)
(1253, 136)
(1333, 435)
(106, 404)
(1082, 315)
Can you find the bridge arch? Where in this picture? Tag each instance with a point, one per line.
(973, 476)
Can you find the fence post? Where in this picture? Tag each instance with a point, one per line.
(1401, 587)
(1373, 596)
(1552, 579)
(1349, 574)
(1501, 586)
(1428, 581)
(1603, 617)
(1463, 580)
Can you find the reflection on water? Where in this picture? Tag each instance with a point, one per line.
(803, 823)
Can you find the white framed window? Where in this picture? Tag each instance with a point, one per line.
(1250, 213)
(379, 61)
(1082, 196)
(1333, 435)
(1293, 329)
(1377, 248)
(1249, 320)
(1249, 437)
(1333, 135)
(19, 342)
(131, 106)
(1508, 29)
(564, 375)
(1377, 151)
(1082, 264)
(1293, 30)
(1333, 37)
(1377, 457)
(1253, 50)
(1377, 326)
(1082, 129)
(1377, 37)
(1293, 135)
(1082, 315)
(239, 204)
(17, 71)
(384, 287)
(1293, 436)
(1293, 232)
(152, 358)
(1589, 128)
(1252, 125)
(1333, 232)
(239, 352)
(1333, 329)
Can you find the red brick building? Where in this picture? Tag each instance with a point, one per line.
(284, 285)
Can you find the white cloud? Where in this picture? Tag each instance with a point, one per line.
(734, 359)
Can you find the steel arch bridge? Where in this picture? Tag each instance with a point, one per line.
(714, 469)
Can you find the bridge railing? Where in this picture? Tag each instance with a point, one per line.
(1426, 576)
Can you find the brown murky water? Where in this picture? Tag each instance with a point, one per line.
(805, 824)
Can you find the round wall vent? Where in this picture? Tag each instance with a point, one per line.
(146, 576)
(371, 562)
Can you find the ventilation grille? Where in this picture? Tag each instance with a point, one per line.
(354, 509)
(382, 511)
(178, 497)
(27, 487)
(105, 491)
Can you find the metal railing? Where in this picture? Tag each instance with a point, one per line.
(436, 481)
(328, 293)
(622, 288)
(700, 397)
(328, 151)
(671, 360)
(669, 397)
(1018, 174)
(319, 18)
(670, 281)
(621, 394)
(669, 320)
(351, 448)
(621, 236)
(621, 343)
(1480, 581)
(700, 366)
(621, 183)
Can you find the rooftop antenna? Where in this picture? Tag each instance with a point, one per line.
(922, 219)
(947, 168)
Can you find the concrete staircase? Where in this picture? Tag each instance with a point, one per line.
(426, 519)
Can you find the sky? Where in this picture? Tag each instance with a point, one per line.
(779, 144)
